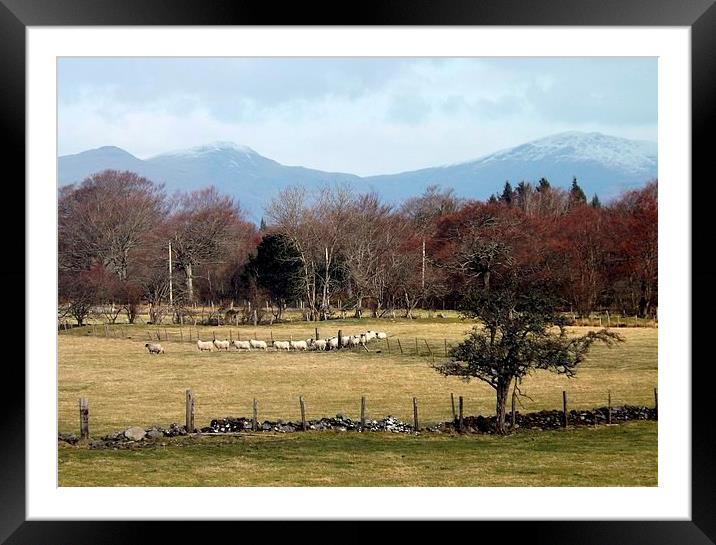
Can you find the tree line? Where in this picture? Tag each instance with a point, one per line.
(341, 248)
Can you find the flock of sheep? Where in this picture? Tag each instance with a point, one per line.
(331, 343)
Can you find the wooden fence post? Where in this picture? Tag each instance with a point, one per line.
(303, 413)
(362, 412)
(254, 421)
(84, 418)
(340, 338)
(387, 342)
(231, 335)
(416, 423)
(460, 417)
(656, 401)
(318, 334)
(189, 412)
(452, 405)
(400, 346)
(564, 408)
(609, 407)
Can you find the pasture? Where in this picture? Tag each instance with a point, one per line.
(125, 385)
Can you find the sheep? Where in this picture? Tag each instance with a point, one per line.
(242, 344)
(204, 345)
(320, 344)
(370, 335)
(382, 335)
(353, 341)
(281, 345)
(344, 340)
(332, 343)
(221, 345)
(154, 348)
(299, 345)
(258, 344)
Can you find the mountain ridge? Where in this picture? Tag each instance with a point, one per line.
(603, 164)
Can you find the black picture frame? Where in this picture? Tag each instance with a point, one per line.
(699, 15)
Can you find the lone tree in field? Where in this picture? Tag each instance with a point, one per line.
(521, 332)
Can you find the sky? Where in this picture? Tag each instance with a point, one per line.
(361, 115)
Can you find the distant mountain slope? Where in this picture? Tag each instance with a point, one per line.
(234, 170)
(605, 165)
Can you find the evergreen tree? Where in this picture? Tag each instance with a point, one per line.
(596, 203)
(262, 225)
(508, 194)
(576, 195)
(543, 185)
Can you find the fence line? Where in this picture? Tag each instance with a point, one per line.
(458, 419)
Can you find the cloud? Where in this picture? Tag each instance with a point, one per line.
(365, 116)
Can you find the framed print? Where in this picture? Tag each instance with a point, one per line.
(115, 98)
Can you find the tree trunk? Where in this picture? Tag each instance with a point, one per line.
(503, 387)
(189, 283)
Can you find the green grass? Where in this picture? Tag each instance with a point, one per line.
(623, 455)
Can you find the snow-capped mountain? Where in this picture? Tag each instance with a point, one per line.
(234, 170)
(605, 165)
(602, 164)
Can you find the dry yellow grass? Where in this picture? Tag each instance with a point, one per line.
(127, 386)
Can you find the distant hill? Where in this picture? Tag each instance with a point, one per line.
(603, 164)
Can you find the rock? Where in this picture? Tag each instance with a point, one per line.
(154, 433)
(135, 433)
(70, 438)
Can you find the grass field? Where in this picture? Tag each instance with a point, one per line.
(623, 455)
(127, 386)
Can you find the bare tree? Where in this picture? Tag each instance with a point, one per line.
(200, 227)
(105, 218)
(318, 233)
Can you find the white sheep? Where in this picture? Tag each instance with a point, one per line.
(281, 345)
(320, 344)
(382, 335)
(333, 343)
(154, 348)
(299, 345)
(344, 340)
(258, 344)
(204, 345)
(370, 335)
(221, 345)
(353, 341)
(242, 344)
